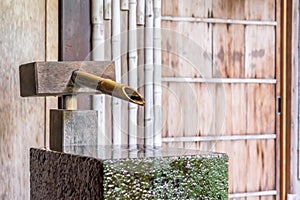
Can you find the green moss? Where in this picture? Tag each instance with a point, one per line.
(187, 177)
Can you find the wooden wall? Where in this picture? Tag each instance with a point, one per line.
(22, 120)
(225, 99)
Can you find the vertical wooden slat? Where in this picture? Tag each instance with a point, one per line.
(229, 9)
(260, 10)
(75, 30)
(260, 54)
(292, 89)
(278, 16)
(283, 88)
(260, 109)
(75, 36)
(229, 51)
(22, 34)
(51, 55)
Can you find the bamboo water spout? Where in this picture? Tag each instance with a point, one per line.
(107, 86)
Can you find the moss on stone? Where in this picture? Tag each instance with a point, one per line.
(185, 177)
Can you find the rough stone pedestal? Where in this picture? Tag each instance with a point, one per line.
(119, 173)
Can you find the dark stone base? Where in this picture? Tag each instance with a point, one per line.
(118, 173)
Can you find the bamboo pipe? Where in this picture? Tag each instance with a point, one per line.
(107, 86)
(133, 74)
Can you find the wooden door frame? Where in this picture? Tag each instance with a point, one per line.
(289, 181)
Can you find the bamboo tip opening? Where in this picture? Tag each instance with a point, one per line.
(134, 96)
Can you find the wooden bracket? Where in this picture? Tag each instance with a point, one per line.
(54, 78)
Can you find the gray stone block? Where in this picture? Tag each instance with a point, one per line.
(120, 173)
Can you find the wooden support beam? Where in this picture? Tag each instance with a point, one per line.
(219, 21)
(53, 78)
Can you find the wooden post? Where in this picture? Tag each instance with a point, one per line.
(132, 40)
(69, 102)
(283, 138)
(149, 74)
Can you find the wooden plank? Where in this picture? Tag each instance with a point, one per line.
(260, 54)
(278, 49)
(53, 78)
(75, 30)
(220, 80)
(292, 94)
(194, 8)
(22, 34)
(260, 109)
(256, 165)
(51, 55)
(259, 194)
(219, 21)
(188, 110)
(235, 110)
(229, 9)
(229, 51)
(260, 10)
(179, 62)
(220, 138)
(75, 36)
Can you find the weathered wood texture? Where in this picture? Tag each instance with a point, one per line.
(22, 34)
(293, 97)
(202, 109)
(51, 55)
(75, 30)
(75, 36)
(54, 78)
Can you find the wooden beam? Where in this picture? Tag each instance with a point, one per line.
(253, 194)
(218, 80)
(220, 138)
(219, 21)
(51, 55)
(53, 78)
